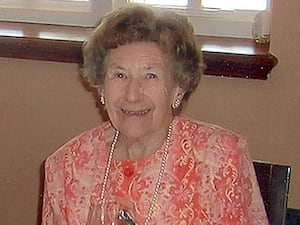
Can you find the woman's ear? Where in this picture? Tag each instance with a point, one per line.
(101, 90)
(101, 94)
(179, 93)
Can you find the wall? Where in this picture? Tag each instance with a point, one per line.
(43, 104)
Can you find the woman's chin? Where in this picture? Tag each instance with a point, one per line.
(135, 125)
(135, 132)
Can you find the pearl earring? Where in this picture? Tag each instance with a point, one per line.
(176, 104)
(102, 100)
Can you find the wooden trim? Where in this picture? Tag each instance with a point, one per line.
(63, 44)
(238, 65)
(39, 49)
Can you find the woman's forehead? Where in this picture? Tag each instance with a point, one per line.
(146, 54)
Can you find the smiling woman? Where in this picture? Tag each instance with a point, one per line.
(148, 160)
(145, 87)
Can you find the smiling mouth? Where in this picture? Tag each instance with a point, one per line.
(136, 112)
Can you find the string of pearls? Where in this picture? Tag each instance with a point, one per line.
(106, 175)
(158, 182)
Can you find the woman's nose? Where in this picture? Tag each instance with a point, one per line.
(134, 90)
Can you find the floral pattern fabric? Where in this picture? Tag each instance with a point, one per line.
(209, 179)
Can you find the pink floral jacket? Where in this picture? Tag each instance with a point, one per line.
(209, 179)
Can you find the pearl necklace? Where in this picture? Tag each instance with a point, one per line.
(158, 182)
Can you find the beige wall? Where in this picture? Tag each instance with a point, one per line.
(43, 104)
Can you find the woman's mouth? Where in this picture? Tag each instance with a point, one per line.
(135, 112)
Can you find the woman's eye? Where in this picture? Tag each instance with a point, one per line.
(120, 75)
(152, 75)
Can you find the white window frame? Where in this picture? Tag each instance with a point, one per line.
(216, 22)
(74, 13)
(237, 23)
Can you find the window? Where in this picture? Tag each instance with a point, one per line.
(234, 18)
(210, 17)
(210, 4)
(68, 12)
(234, 4)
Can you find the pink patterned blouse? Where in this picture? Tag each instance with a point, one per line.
(209, 179)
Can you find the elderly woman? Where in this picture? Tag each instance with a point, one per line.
(159, 166)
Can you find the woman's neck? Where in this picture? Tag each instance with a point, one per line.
(135, 148)
(138, 148)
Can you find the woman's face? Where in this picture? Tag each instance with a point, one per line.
(139, 89)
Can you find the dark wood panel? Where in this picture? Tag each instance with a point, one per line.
(238, 65)
(234, 57)
(40, 49)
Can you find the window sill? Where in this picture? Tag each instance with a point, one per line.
(223, 56)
